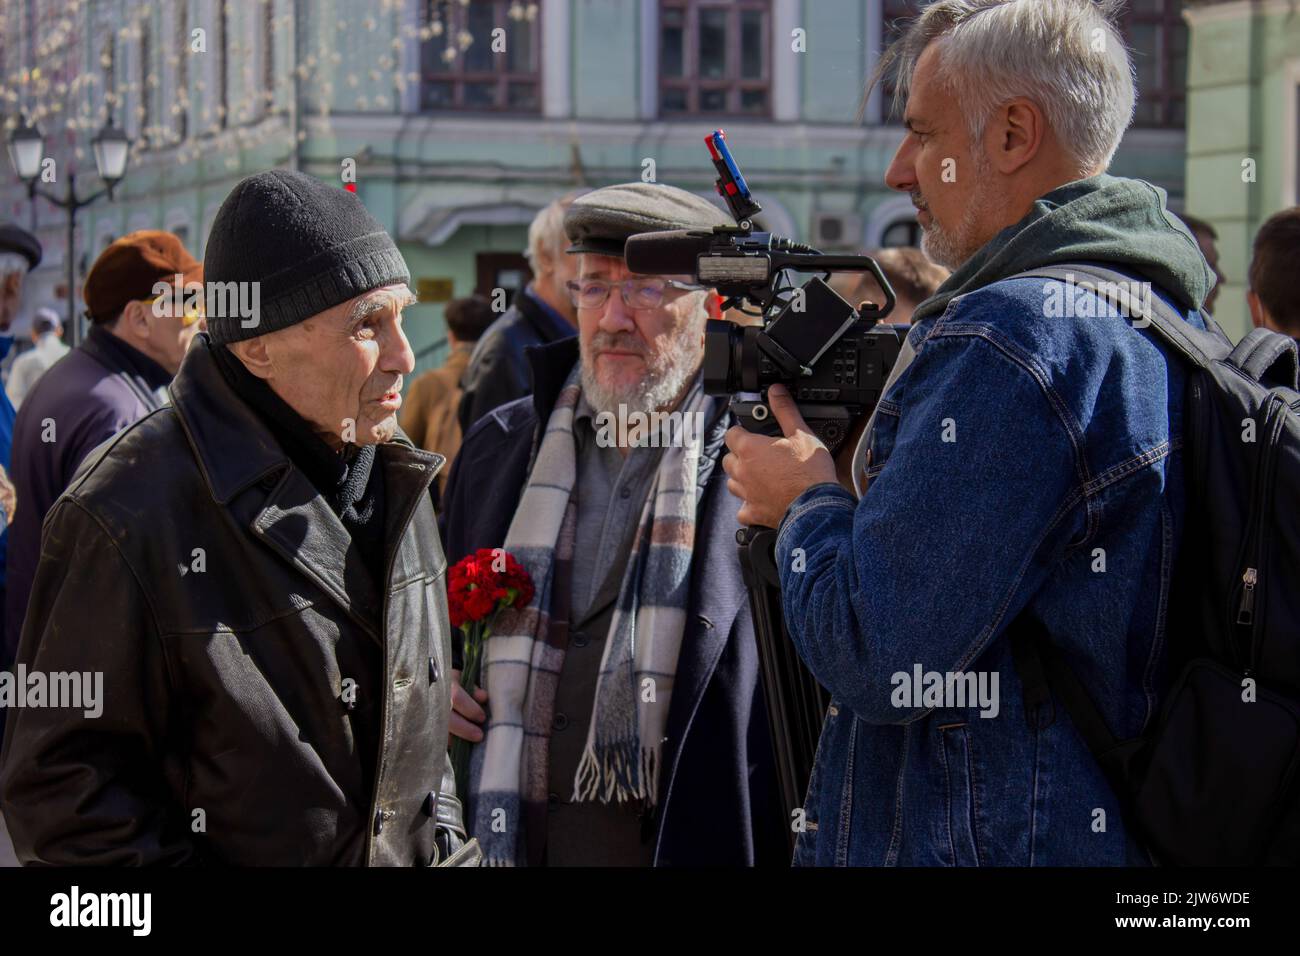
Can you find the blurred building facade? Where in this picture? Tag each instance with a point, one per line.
(1243, 128)
(456, 146)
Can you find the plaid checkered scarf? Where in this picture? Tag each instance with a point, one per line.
(524, 655)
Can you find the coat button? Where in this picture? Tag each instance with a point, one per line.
(560, 722)
(553, 801)
(580, 639)
(433, 671)
(625, 492)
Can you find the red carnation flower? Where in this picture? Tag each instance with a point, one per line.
(476, 592)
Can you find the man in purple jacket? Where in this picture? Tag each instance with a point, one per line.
(114, 378)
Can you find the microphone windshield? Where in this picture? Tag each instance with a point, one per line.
(665, 253)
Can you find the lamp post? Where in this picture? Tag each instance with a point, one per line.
(27, 150)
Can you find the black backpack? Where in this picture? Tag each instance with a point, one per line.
(1215, 778)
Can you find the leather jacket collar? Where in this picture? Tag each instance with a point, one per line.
(236, 451)
(217, 422)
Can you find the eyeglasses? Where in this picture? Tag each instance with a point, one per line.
(194, 310)
(636, 293)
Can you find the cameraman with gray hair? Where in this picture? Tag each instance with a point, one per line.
(1025, 462)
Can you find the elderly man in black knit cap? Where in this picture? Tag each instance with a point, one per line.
(256, 572)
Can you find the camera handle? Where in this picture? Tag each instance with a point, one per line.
(796, 703)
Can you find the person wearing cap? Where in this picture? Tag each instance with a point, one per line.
(541, 312)
(255, 570)
(47, 348)
(115, 377)
(20, 253)
(637, 734)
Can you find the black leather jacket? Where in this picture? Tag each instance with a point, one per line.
(218, 594)
(498, 370)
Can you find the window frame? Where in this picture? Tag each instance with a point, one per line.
(461, 78)
(223, 64)
(181, 73)
(891, 10)
(733, 84)
(1170, 90)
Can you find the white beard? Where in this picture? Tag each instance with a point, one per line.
(664, 382)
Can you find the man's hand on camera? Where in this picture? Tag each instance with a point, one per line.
(767, 474)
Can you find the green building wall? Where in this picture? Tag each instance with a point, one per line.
(1242, 81)
(599, 126)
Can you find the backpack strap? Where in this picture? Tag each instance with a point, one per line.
(1197, 346)
(1036, 690)
(1043, 671)
(1267, 357)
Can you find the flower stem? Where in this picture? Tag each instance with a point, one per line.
(460, 748)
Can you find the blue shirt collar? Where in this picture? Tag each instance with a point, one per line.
(559, 324)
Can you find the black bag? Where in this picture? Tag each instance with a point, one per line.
(1215, 779)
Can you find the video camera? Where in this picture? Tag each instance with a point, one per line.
(834, 359)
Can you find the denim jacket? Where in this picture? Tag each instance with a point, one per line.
(1019, 462)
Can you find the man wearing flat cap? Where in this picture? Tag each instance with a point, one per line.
(624, 723)
(256, 571)
(114, 378)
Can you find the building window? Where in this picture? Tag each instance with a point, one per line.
(501, 270)
(460, 70)
(1157, 39)
(714, 57)
(894, 18)
(145, 111)
(223, 63)
(268, 55)
(108, 60)
(182, 92)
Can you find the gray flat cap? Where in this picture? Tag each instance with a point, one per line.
(600, 221)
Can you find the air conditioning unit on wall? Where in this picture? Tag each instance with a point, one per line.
(836, 230)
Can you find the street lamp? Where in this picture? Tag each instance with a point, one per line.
(110, 147)
(27, 151)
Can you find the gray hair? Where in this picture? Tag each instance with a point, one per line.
(1067, 56)
(45, 320)
(546, 232)
(11, 262)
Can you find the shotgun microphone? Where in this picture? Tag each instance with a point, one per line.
(724, 257)
(666, 253)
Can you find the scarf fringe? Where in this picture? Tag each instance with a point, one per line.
(629, 771)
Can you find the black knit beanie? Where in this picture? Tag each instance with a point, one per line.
(309, 245)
